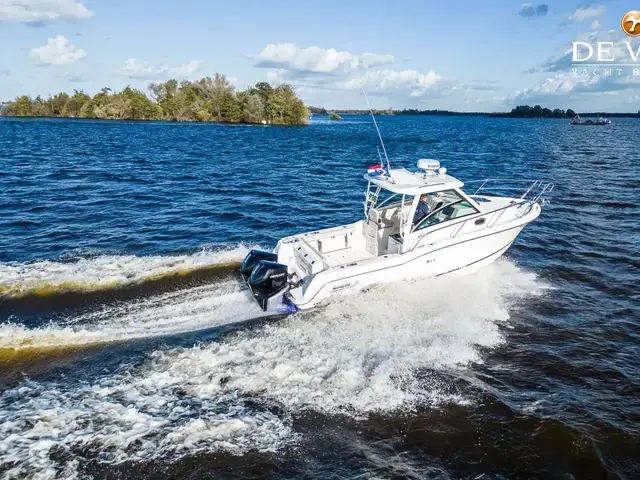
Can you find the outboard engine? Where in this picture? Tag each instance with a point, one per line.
(267, 279)
(252, 259)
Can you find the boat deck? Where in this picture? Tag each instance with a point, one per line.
(490, 203)
(345, 256)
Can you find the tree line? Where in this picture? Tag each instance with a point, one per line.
(413, 111)
(521, 111)
(525, 111)
(205, 100)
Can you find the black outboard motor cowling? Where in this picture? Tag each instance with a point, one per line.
(267, 280)
(252, 259)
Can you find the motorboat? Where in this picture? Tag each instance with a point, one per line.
(579, 121)
(416, 223)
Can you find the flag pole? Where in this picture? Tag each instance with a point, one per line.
(379, 135)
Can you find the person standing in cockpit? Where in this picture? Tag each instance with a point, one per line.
(422, 210)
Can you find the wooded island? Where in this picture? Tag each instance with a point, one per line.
(210, 99)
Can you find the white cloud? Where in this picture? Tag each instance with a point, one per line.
(328, 68)
(313, 70)
(142, 69)
(42, 11)
(77, 78)
(582, 14)
(187, 69)
(560, 84)
(595, 25)
(482, 85)
(575, 88)
(389, 80)
(57, 51)
(275, 77)
(139, 69)
(293, 58)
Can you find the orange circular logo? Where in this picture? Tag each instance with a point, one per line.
(631, 23)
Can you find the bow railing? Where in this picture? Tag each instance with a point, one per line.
(531, 190)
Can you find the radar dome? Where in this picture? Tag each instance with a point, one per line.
(429, 165)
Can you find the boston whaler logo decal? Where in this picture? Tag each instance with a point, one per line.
(343, 286)
(609, 58)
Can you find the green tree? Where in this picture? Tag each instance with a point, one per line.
(58, 103)
(40, 108)
(252, 107)
(142, 108)
(231, 109)
(285, 107)
(22, 106)
(73, 107)
(88, 110)
(265, 91)
(218, 93)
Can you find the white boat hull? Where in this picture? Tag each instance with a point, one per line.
(458, 254)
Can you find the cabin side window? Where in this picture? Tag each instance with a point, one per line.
(444, 206)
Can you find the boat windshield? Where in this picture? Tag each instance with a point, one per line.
(443, 206)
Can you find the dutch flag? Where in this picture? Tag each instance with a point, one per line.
(375, 169)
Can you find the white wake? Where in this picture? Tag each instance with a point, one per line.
(186, 309)
(367, 353)
(106, 271)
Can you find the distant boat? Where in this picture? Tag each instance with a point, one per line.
(578, 121)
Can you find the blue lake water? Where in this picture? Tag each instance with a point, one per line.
(128, 349)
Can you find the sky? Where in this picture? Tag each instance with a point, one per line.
(429, 54)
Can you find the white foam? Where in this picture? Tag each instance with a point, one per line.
(127, 418)
(184, 310)
(365, 353)
(375, 352)
(106, 271)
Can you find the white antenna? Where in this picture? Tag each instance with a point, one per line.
(378, 130)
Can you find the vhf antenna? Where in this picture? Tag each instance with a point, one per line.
(379, 136)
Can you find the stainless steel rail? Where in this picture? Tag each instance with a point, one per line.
(535, 188)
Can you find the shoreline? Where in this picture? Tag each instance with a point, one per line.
(142, 120)
(306, 124)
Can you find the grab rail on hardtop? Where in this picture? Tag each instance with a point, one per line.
(491, 186)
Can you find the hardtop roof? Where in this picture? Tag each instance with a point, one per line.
(404, 182)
